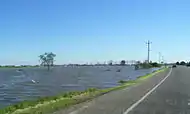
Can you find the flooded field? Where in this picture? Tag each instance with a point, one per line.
(17, 85)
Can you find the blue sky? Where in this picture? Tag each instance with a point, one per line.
(81, 31)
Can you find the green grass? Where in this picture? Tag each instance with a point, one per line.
(129, 81)
(140, 78)
(151, 74)
(50, 104)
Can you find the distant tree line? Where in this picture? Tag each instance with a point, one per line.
(147, 65)
(182, 63)
(122, 63)
(20, 66)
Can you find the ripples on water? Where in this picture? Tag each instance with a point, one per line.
(30, 83)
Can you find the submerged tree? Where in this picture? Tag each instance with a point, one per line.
(110, 62)
(177, 63)
(122, 62)
(182, 63)
(47, 59)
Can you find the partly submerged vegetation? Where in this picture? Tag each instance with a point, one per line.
(147, 65)
(20, 66)
(50, 104)
(47, 59)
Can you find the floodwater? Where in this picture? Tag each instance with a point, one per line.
(31, 83)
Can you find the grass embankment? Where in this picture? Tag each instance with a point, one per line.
(51, 104)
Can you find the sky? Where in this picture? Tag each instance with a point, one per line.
(80, 31)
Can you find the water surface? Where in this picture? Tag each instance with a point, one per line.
(32, 83)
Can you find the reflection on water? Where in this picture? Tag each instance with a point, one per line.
(30, 83)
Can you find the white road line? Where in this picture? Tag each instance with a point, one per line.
(76, 111)
(82, 108)
(146, 95)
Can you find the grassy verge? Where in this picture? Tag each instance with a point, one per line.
(51, 104)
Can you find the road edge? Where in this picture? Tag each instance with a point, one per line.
(147, 94)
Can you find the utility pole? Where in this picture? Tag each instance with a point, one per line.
(148, 43)
(163, 59)
(159, 57)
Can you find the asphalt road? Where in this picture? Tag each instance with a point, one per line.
(172, 97)
(118, 102)
(165, 93)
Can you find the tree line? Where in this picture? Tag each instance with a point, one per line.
(182, 63)
(47, 59)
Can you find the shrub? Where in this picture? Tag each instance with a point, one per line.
(122, 81)
(155, 64)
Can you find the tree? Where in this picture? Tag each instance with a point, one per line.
(138, 62)
(145, 65)
(188, 64)
(47, 59)
(177, 63)
(182, 63)
(155, 64)
(122, 62)
(110, 62)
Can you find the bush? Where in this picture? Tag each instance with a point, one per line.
(145, 65)
(91, 90)
(155, 64)
(148, 65)
(177, 63)
(119, 70)
(129, 81)
(122, 81)
(122, 62)
(182, 63)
